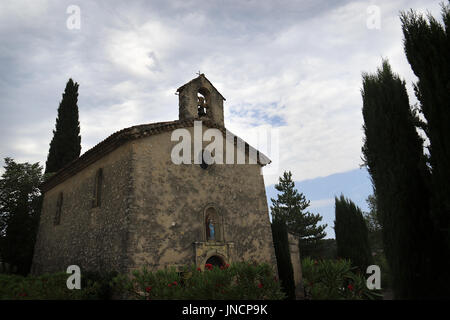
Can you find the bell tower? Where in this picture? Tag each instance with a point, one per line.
(198, 99)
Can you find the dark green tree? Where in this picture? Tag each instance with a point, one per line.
(20, 204)
(283, 256)
(427, 47)
(66, 142)
(324, 249)
(374, 227)
(393, 154)
(328, 249)
(290, 207)
(351, 234)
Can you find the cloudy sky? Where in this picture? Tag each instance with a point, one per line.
(288, 67)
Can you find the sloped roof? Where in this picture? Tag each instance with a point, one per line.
(122, 136)
(195, 79)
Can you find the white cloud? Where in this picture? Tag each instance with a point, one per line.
(140, 49)
(295, 65)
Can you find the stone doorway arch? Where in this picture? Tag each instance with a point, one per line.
(216, 261)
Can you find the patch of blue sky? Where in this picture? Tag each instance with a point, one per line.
(354, 184)
(260, 114)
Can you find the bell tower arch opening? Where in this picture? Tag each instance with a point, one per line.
(203, 102)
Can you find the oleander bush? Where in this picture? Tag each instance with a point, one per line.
(239, 281)
(334, 280)
(45, 287)
(249, 281)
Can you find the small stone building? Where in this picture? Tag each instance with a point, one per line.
(125, 204)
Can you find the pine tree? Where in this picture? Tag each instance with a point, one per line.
(290, 207)
(20, 204)
(393, 153)
(66, 142)
(427, 48)
(351, 234)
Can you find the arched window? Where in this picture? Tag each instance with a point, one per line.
(96, 201)
(203, 102)
(59, 203)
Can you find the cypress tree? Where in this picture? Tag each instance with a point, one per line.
(351, 234)
(283, 255)
(427, 48)
(393, 153)
(374, 227)
(66, 142)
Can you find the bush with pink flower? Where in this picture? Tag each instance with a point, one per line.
(334, 280)
(249, 281)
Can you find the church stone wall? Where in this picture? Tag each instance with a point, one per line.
(152, 213)
(170, 201)
(92, 238)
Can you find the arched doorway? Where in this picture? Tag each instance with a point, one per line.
(216, 261)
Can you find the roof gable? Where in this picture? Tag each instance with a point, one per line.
(121, 137)
(201, 76)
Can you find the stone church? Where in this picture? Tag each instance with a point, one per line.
(125, 204)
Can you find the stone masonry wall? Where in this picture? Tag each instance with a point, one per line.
(92, 238)
(170, 200)
(152, 212)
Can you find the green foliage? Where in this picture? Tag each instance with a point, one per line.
(66, 142)
(351, 234)
(283, 255)
(290, 207)
(375, 235)
(44, 287)
(393, 153)
(321, 249)
(386, 278)
(240, 281)
(334, 280)
(20, 205)
(371, 217)
(373, 224)
(101, 281)
(427, 48)
(326, 250)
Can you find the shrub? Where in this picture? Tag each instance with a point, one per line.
(335, 280)
(47, 287)
(240, 281)
(380, 260)
(101, 281)
(248, 281)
